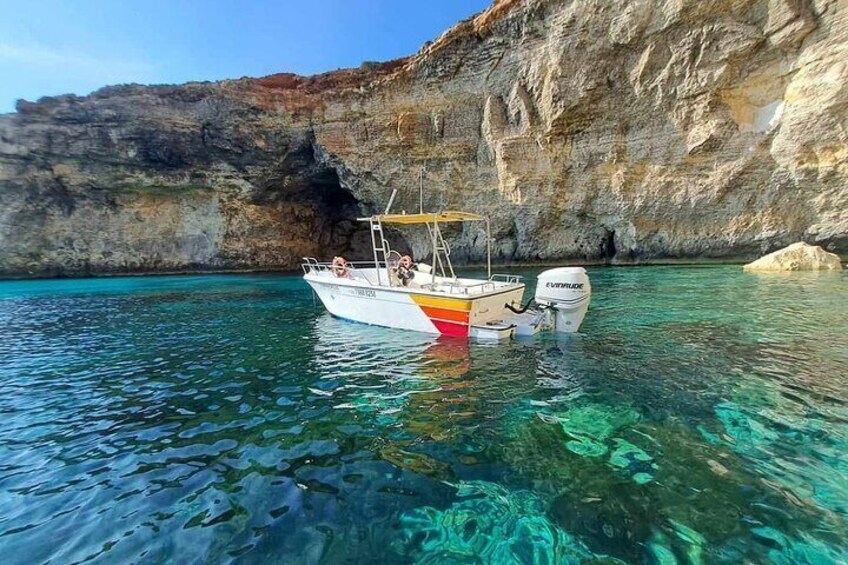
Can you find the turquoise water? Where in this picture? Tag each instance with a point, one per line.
(700, 416)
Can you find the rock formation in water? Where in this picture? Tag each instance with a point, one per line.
(589, 130)
(796, 257)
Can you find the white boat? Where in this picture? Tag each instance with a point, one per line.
(392, 291)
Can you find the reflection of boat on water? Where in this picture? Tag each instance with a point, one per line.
(351, 350)
(392, 291)
(447, 359)
(415, 386)
(413, 375)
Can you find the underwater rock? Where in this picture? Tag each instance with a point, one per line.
(634, 460)
(675, 492)
(488, 524)
(744, 430)
(797, 257)
(589, 427)
(784, 550)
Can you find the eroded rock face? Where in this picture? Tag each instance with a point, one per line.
(159, 179)
(797, 257)
(592, 130)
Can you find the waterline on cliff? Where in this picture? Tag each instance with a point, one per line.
(467, 266)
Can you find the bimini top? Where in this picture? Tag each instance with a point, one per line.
(426, 218)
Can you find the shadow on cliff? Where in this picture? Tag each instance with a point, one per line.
(304, 180)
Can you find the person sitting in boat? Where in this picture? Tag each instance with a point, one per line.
(405, 270)
(341, 268)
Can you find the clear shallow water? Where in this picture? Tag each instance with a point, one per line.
(700, 416)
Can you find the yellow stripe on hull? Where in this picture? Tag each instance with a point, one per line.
(445, 303)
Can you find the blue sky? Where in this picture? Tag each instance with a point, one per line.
(50, 47)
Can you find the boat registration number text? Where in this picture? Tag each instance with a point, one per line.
(364, 292)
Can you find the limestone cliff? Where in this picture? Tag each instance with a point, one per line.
(588, 130)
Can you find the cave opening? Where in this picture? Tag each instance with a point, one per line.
(302, 181)
(608, 249)
(338, 208)
(342, 234)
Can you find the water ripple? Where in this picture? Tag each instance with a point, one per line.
(701, 415)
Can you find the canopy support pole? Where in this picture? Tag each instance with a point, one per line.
(435, 255)
(488, 248)
(421, 191)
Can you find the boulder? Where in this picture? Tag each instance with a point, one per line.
(797, 257)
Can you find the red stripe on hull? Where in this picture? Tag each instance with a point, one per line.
(451, 329)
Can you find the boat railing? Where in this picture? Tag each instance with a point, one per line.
(309, 263)
(457, 288)
(313, 265)
(452, 287)
(505, 278)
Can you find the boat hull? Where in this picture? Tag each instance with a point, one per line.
(410, 310)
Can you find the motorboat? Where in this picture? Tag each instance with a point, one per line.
(391, 290)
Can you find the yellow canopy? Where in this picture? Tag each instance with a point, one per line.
(427, 218)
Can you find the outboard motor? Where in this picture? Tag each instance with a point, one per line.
(566, 291)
